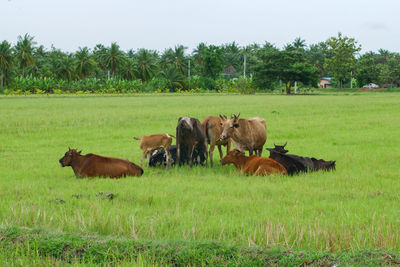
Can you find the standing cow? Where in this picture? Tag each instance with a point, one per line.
(213, 130)
(246, 134)
(190, 136)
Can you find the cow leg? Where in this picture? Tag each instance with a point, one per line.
(250, 152)
(169, 158)
(141, 159)
(148, 158)
(221, 155)
(211, 152)
(228, 146)
(260, 152)
(178, 154)
(206, 152)
(190, 154)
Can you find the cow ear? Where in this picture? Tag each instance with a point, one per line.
(179, 119)
(80, 152)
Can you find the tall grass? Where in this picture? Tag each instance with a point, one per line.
(353, 208)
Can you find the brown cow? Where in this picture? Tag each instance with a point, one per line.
(253, 165)
(91, 165)
(213, 129)
(148, 144)
(246, 134)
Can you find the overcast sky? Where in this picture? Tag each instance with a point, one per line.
(160, 24)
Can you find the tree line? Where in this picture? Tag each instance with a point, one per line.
(265, 66)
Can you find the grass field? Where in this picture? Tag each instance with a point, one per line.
(352, 209)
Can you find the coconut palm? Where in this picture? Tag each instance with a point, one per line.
(146, 61)
(113, 58)
(175, 79)
(84, 62)
(129, 69)
(65, 67)
(24, 52)
(5, 59)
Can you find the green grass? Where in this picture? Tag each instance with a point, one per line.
(354, 208)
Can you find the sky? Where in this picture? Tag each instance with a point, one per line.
(157, 24)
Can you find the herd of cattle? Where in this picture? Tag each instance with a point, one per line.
(192, 140)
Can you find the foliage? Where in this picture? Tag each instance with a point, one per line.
(287, 66)
(69, 248)
(5, 61)
(213, 62)
(24, 52)
(343, 61)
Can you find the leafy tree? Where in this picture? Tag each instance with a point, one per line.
(288, 66)
(368, 68)
(343, 60)
(24, 52)
(316, 55)
(390, 72)
(5, 60)
(84, 63)
(146, 62)
(213, 62)
(198, 56)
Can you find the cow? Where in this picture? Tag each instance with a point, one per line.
(159, 157)
(246, 134)
(296, 164)
(190, 136)
(213, 130)
(91, 165)
(253, 165)
(148, 144)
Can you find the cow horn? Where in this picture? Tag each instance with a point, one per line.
(238, 115)
(274, 144)
(232, 115)
(285, 144)
(223, 117)
(80, 152)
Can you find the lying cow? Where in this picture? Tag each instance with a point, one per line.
(246, 134)
(295, 164)
(159, 157)
(213, 129)
(91, 165)
(190, 136)
(148, 144)
(253, 165)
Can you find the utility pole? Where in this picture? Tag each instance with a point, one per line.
(295, 87)
(244, 66)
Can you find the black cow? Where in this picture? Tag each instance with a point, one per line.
(159, 157)
(190, 136)
(295, 164)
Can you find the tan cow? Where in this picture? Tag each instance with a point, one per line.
(213, 129)
(246, 134)
(148, 144)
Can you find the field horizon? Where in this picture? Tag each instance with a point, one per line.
(351, 209)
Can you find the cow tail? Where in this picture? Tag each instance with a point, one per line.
(137, 138)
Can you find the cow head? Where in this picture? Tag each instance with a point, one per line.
(69, 155)
(232, 157)
(185, 123)
(229, 126)
(279, 149)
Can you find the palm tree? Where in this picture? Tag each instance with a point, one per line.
(129, 69)
(175, 78)
(84, 62)
(198, 54)
(146, 64)
(65, 67)
(175, 58)
(24, 52)
(5, 59)
(113, 58)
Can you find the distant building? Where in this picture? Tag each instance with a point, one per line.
(325, 82)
